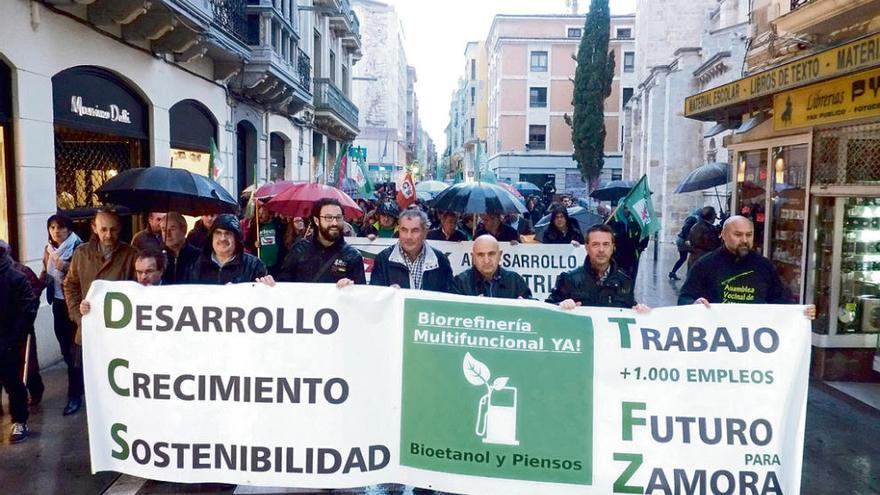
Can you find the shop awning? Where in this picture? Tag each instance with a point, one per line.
(720, 127)
(756, 91)
(751, 123)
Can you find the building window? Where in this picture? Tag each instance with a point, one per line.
(473, 124)
(537, 137)
(473, 69)
(473, 96)
(627, 94)
(624, 33)
(538, 97)
(575, 32)
(616, 174)
(538, 62)
(332, 67)
(629, 61)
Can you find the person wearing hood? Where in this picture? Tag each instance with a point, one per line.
(704, 236)
(104, 257)
(18, 309)
(562, 228)
(223, 259)
(599, 282)
(386, 227)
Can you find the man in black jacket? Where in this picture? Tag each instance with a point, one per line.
(704, 236)
(223, 259)
(18, 309)
(599, 282)
(325, 258)
(448, 229)
(486, 277)
(412, 263)
(179, 253)
(734, 273)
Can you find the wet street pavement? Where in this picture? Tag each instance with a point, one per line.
(841, 448)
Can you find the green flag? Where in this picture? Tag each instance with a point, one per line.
(215, 165)
(638, 203)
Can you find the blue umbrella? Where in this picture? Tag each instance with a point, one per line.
(709, 175)
(527, 188)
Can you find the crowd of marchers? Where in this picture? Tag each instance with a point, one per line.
(223, 249)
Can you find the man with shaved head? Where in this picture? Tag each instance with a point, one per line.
(735, 273)
(486, 278)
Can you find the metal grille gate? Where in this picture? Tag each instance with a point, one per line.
(847, 155)
(85, 160)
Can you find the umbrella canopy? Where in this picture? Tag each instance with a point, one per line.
(478, 197)
(298, 200)
(166, 189)
(526, 188)
(275, 188)
(613, 190)
(584, 217)
(512, 190)
(432, 187)
(706, 176)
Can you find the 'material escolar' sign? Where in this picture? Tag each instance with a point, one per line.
(857, 55)
(304, 385)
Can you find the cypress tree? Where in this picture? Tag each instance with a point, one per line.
(592, 85)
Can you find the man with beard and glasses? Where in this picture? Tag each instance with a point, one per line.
(325, 257)
(734, 273)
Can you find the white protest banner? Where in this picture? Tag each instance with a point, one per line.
(307, 385)
(539, 264)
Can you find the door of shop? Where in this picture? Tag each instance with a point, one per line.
(771, 191)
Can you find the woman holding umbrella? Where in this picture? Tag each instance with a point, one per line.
(562, 228)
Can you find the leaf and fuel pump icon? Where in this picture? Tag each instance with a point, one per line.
(496, 410)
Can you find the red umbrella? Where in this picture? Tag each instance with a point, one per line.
(297, 201)
(275, 188)
(512, 189)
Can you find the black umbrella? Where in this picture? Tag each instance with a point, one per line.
(706, 176)
(478, 197)
(166, 189)
(613, 190)
(585, 220)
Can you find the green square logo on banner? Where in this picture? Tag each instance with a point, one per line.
(497, 391)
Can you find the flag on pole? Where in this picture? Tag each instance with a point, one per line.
(323, 176)
(215, 165)
(365, 187)
(339, 170)
(641, 209)
(406, 191)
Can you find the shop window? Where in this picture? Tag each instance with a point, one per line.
(788, 203)
(538, 61)
(4, 186)
(752, 191)
(193, 127)
(859, 306)
(277, 163)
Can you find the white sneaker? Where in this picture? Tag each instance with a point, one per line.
(19, 433)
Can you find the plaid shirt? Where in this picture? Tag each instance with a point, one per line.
(415, 267)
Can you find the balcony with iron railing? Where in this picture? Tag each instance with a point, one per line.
(796, 4)
(329, 98)
(230, 16)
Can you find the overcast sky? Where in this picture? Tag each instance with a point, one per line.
(436, 33)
